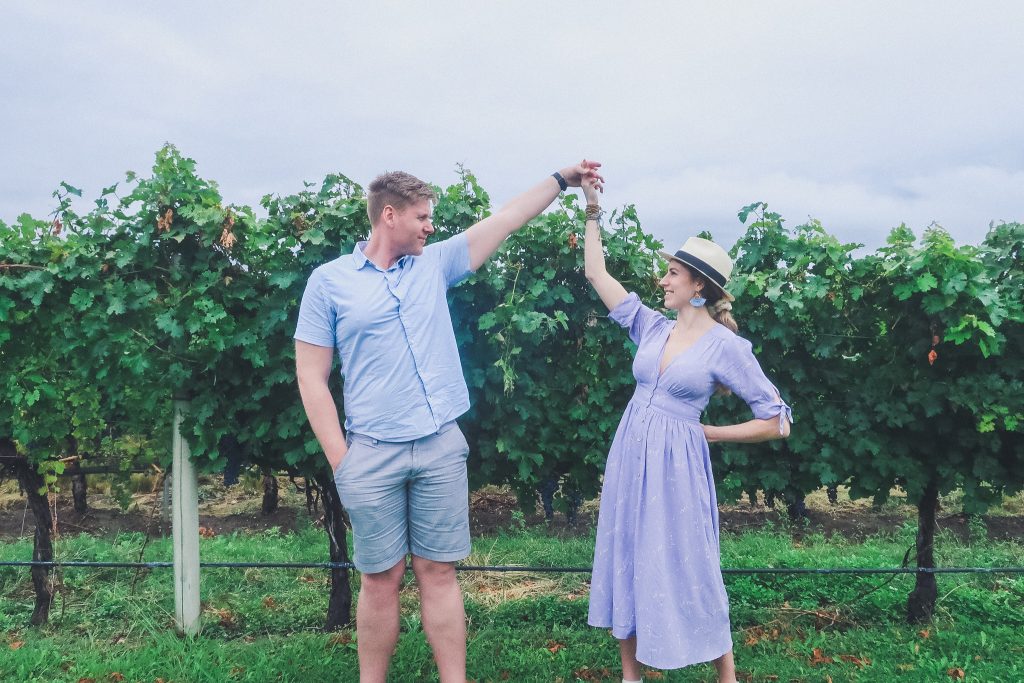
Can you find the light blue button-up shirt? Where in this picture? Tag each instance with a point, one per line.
(393, 332)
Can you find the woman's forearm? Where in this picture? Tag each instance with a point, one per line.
(593, 251)
(607, 287)
(753, 431)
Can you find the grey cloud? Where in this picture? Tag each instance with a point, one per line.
(861, 115)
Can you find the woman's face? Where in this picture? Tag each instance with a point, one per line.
(679, 285)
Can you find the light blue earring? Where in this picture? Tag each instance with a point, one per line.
(697, 301)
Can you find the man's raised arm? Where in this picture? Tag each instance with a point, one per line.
(486, 236)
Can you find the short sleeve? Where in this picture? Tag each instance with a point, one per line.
(453, 255)
(738, 370)
(635, 317)
(316, 316)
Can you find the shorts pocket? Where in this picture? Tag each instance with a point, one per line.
(353, 448)
(458, 443)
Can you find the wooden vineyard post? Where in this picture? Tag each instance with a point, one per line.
(185, 529)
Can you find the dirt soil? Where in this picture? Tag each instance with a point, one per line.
(224, 510)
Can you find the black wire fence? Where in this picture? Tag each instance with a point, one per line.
(518, 568)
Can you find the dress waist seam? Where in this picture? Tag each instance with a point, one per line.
(640, 404)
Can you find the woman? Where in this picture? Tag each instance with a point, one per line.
(657, 580)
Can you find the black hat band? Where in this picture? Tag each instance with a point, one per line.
(703, 266)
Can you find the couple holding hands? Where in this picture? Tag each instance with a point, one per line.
(400, 462)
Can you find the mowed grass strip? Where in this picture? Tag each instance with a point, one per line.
(264, 624)
(524, 652)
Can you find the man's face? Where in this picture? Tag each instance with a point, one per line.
(413, 225)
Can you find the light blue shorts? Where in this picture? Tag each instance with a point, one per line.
(408, 496)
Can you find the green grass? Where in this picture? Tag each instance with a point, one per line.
(264, 624)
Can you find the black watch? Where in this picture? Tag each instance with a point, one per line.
(561, 181)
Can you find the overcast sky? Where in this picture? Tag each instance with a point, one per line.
(860, 114)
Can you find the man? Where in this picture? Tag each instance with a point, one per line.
(401, 471)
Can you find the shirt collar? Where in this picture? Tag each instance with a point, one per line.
(359, 258)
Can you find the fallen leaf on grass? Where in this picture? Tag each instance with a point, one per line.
(86, 680)
(554, 646)
(206, 532)
(955, 673)
(588, 674)
(856, 660)
(16, 644)
(653, 675)
(925, 633)
(343, 638)
(269, 602)
(116, 677)
(225, 616)
(754, 636)
(818, 658)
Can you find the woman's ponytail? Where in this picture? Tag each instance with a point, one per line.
(721, 312)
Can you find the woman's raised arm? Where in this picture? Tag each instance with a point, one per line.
(607, 287)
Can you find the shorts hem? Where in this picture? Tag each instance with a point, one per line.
(453, 556)
(378, 567)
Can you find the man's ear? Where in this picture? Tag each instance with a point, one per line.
(387, 215)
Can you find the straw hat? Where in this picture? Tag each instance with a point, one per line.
(707, 258)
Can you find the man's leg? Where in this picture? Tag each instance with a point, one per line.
(371, 483)
(438, 537)
(377, 622)
(444, 618)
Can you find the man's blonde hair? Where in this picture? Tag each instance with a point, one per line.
(398, 189)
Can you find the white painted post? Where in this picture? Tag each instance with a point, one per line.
(185, 529)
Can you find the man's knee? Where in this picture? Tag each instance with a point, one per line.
(386, 582)
(430, 573)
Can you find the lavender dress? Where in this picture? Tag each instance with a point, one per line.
(657, 571)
